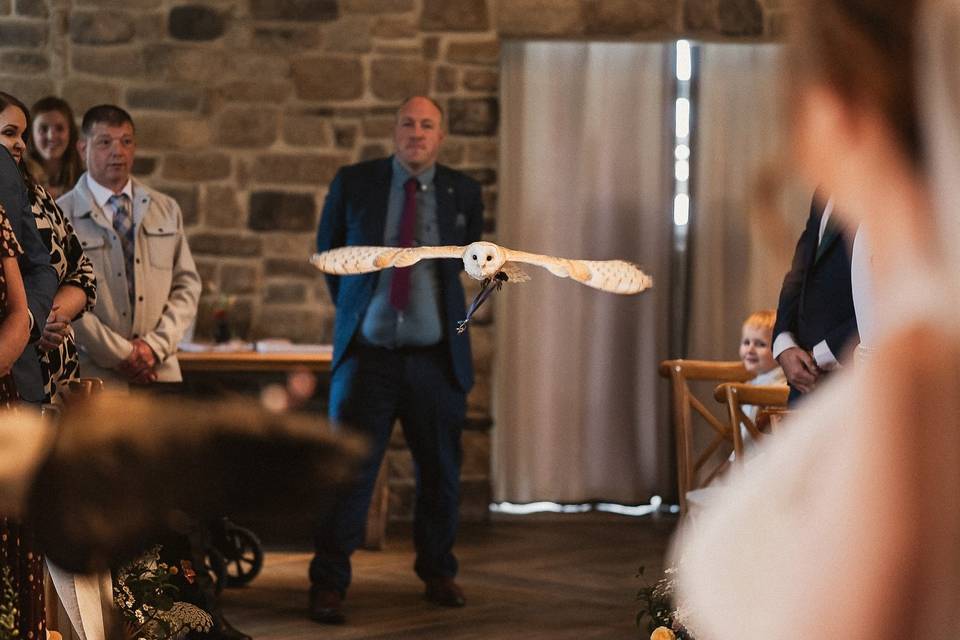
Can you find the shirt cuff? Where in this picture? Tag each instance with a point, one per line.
(783, 342)
(34, 335)
(824, 357)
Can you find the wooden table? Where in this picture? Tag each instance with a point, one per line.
(254, 361)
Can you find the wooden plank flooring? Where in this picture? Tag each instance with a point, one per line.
(536, 577)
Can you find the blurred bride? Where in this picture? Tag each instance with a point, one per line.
(849, 524)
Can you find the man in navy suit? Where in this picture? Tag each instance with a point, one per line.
(396, 354)
(815, 316)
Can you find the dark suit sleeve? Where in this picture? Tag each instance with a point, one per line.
(39, 276)
(332, 231)
(841, 336)
(788, 307)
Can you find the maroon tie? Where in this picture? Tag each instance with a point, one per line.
(400, 286)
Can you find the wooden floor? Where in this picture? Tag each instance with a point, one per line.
(536, 577)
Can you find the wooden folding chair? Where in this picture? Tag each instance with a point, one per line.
(698, 467)
(768, 399)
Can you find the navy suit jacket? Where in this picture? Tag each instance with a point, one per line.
(355, 213)
(816, 299)
(39, 277)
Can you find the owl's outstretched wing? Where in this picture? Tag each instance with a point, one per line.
(615, 276)
(345, 261)
(514, 273)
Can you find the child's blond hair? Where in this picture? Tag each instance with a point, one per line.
(763, 320)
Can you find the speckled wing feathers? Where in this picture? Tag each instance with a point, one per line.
(361, 259)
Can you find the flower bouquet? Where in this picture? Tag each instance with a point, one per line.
(661, 617)
(145, 593)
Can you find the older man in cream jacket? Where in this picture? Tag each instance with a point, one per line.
(149, 285)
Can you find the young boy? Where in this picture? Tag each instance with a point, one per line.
(756, 352)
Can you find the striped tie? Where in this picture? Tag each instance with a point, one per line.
(123, 225)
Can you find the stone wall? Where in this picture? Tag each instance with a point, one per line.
(245, 109)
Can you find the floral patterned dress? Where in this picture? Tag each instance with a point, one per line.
(21, 568)
(73, 268)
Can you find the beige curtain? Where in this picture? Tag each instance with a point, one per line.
(740, 250)
(580, 412)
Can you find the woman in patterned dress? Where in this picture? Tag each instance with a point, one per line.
(23, 568)
(59, 360)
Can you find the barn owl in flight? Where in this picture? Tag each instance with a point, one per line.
(490, 263)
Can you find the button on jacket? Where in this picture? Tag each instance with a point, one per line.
(166, 282)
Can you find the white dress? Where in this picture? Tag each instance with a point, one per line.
(847, 525)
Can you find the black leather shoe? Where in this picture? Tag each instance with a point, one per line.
(326, 606)
(444, 592)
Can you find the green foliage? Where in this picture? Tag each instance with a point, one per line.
(657, 606)
(8, 605)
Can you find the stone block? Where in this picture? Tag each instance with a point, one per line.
(196, 167)
(285, 39)
(196, 22)
(221, 209)
(27, 35)
(306, 169)
(289, 267)
(740, 18)
(475, 498)
(144, 165)
(378, 126)
(399, 464)
(186, 197)
(282, 211)
(5, 7)
(27, 88)
(394, 28)
(305, 129)
(473, 116)
(293, 244)
(270, 91)
(454, 15)
(225, 244)
(169, 132)
(321, 294)
(127, 62)
(83, 94)
(101, 27)
(209, 271)
(530, 18)
(479, 398)
(474, 52)
(700, 15)
(345, 135)
(778, 24)
(24, 62)
(328, 78)
(483, 152)
(170, 98)
(238, 278)
(193, 65)
(295, 10)
(119, 4)
(628, 17)
(285, 293)
(398, 78)
(299, 324)
(350, 34)
(373, 151)
(376, 6)
(484, 80)
(446, 79)
(32, 8)
(150, 27)
(247, 127)
(452, 153)
(400, 50)
(431, 47)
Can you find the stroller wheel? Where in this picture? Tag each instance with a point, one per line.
(243, 556)
(216, 566)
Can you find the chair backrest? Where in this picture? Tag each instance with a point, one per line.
(767, 398)
(698, 466)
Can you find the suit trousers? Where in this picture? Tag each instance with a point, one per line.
(370, 389)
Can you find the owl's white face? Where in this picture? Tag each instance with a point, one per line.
(482, 259)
